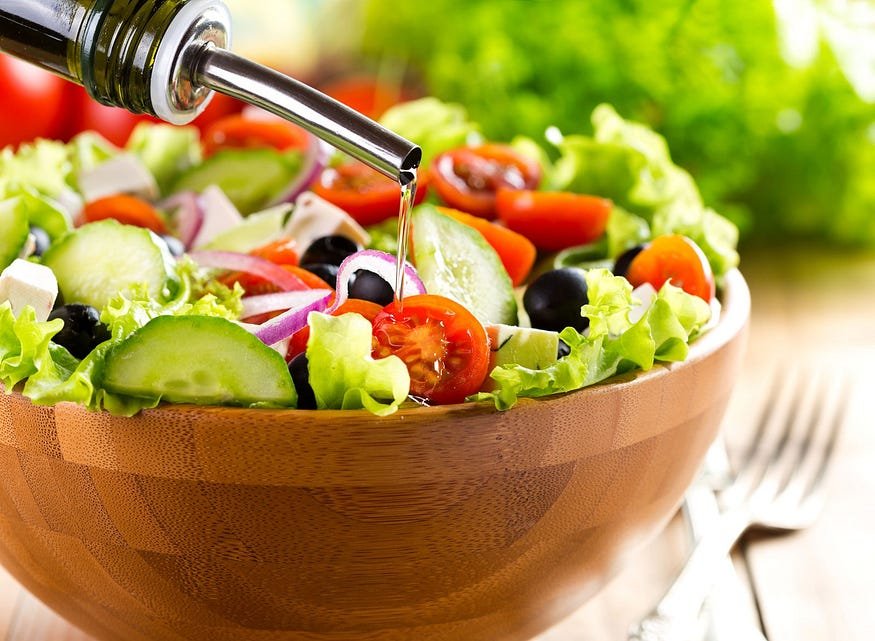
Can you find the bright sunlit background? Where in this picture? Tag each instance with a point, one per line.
(770, 105)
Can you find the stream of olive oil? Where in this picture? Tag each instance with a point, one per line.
(408, 193)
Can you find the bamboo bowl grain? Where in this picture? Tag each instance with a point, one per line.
(449, 523)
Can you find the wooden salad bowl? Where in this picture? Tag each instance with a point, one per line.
(449, 523)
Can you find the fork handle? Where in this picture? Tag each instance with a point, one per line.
(676, 616)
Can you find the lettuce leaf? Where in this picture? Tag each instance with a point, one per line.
(434, 125)
(630, 164)
(53, 375)
(165, 150)
(197, 295)
(343, 374)
(43, 165)
(614, 344)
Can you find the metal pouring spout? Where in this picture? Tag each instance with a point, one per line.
(337, 124)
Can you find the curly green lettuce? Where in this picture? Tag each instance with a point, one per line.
(613, 345)
(343, 373)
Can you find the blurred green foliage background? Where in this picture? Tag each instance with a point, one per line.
(785, 150)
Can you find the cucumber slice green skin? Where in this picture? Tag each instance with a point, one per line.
(455, 261)
(102, 259)
(251, 178)
(14, 229)
(198, 359)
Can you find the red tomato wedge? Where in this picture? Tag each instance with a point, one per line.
(364, 193)
(517, 253)
(468, 178)
(553, 220)
(676, 259)
(365, 308)
(239, 132)
(443, 345)
(128, 210)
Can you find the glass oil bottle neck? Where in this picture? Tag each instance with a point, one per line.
(124, 52)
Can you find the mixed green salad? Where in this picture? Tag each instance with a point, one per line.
(251, 267)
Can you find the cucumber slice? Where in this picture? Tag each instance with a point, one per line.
(251, 178)
(99, 260)
(455, 261)
(255, 230)
(198, 359)
(14, 229)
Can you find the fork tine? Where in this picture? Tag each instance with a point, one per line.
(780, 416)
(834, 427)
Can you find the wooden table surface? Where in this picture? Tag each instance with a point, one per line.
(812, 311)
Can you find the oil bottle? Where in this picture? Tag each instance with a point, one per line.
(166, 57)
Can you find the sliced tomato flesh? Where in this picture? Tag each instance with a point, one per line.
(444, 347)
(676, 259)
(468, 178)
(126, 209)
(242, 132)
(554, 221)
(364, 193)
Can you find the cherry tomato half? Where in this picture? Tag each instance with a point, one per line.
(364, 193)
(677, 259)
(126, 209)
(468, 178)
(443, 345)
(553, 220)
(241, 132)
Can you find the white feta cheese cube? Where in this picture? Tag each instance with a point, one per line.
(220, 215)
(24, 283)
(124, 174)
(315, 217)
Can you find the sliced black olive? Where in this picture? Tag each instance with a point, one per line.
(325, 271)
(41, 240)
(366, 285)
(82, 330)
(331, 250)
(621, 265)
(300, 371)
(554, 299)
(174, 245)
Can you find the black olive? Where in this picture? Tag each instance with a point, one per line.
(41, 240)
(554, 299)
(366, 285)
(621, 265)
(174, 245)
(564, 350)
(82, 330)
(325, 271)
(300, 371)
(331, 250)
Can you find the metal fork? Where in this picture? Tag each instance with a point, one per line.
(780, 486)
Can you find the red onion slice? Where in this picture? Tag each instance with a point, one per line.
(254, 265)
(187, 215)
(315, 159)
(380, 263)
(256, 305)
(282, 326)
